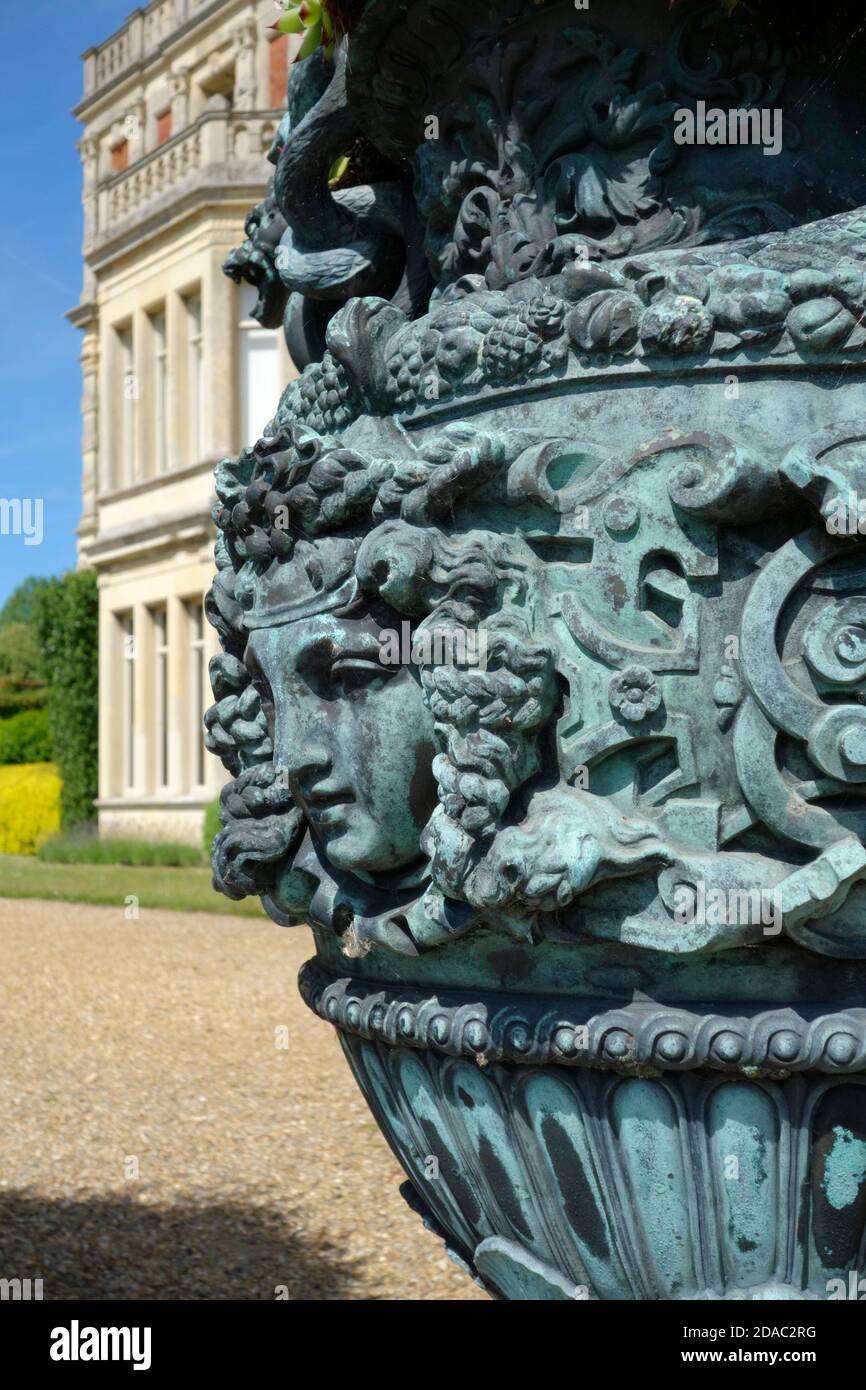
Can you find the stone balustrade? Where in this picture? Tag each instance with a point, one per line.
(141, 35)
(159, 21)
(149, 177)
(216, 138)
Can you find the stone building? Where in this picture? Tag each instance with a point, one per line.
(179, 108)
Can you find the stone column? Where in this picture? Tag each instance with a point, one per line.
(89, 150)
(136, 36)
(101, 207)
(177, 713)
(176, 347)
(89, 427)
(109, 376)
(246, 41)
(135, 128)
(178, 82)
(142, 456)
(142, 674)
(214, 131)
(89, 71)
(110, 656)
(219, 330)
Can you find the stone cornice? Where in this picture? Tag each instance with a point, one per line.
(155, 484)
(210, 187)
(134, 69)
(84, 314)
(136, 538)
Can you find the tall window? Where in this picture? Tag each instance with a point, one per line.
(123, 468)
(160, 694)
(159, 421)
(259, 366)
(197, 689)
(195, 377)
(127, 697)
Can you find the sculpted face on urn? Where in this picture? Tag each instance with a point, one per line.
(353, 735)
(594, 397)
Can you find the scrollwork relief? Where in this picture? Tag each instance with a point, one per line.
(592, 678)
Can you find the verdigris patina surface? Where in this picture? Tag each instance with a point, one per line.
(586, 878)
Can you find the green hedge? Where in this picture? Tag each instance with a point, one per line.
(25, 738)
(67, 617)
(17, 695)
(85, 846)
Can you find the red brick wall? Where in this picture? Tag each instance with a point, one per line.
(163, 128)
(120, 157)
(278, 57)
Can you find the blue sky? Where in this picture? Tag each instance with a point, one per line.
(40, 269)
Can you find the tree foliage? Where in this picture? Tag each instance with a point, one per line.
(20, 657)
(67, 618)
(22, 603)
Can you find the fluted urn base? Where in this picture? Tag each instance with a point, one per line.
(586, 1178)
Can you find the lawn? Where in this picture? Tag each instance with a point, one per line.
(179, 889)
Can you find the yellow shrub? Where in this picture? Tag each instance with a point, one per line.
(29, 806)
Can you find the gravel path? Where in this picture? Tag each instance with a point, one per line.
(156, 1143)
